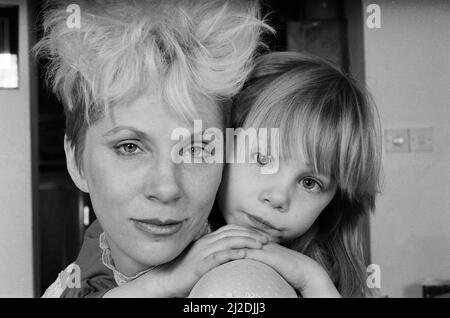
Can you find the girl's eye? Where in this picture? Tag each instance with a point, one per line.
(263, 160)
(311, 184)
(127, 149)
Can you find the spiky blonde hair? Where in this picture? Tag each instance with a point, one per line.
(182, 49)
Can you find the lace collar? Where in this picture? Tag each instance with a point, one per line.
(108, 261)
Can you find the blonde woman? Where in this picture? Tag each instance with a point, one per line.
(131, 73)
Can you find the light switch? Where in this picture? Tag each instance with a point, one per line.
(396, 140)
(421, 139)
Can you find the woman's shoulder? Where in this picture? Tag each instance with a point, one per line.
(87, 276)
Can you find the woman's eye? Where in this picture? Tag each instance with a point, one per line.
(195, 151)
(128, 148)
(311, 184)
(263, 160)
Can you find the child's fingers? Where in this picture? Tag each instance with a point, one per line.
(234, 242)
(218, 258)
(226, 245)
(233, 229)
(262, 255)
(238, 227)
(238, 232)
(228, 227)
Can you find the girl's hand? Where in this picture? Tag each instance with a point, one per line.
(177, 278)
(300, 271)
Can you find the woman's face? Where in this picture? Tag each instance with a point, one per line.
(283, 204)
(135, 186)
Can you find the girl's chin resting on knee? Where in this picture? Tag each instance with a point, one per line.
(242, 279)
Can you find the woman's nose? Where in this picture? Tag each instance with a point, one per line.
(276, 199)
(164, 182)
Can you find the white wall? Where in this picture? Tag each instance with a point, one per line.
(408, 71)
(16, 253)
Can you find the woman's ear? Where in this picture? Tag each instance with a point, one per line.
(72, 166)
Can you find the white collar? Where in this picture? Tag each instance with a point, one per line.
(108, 261)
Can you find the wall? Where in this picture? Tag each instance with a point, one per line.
(16, 251)
(408, 71)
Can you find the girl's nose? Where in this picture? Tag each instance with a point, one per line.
(164, 184)
(276, 199)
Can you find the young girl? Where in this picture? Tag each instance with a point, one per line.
(326, 178)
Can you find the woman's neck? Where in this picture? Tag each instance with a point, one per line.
(123, 262)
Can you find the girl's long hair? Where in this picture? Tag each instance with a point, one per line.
(325, 116)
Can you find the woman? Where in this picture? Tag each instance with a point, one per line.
(131, 74)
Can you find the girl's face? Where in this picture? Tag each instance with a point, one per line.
(135, 185)
(284, 204)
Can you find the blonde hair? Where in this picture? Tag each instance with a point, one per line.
(317, 106)
(183, 49)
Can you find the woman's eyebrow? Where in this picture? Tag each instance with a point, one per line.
(197, 135)
(142, 135)
(117, 129)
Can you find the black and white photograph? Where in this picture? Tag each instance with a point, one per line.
(225, 149)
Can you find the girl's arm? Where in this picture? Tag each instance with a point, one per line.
(319, 285)
(176, 278)
(301, 271)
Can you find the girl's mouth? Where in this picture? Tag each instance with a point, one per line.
(260, 223)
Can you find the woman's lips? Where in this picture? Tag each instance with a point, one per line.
(158, 221)
(158, 227)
